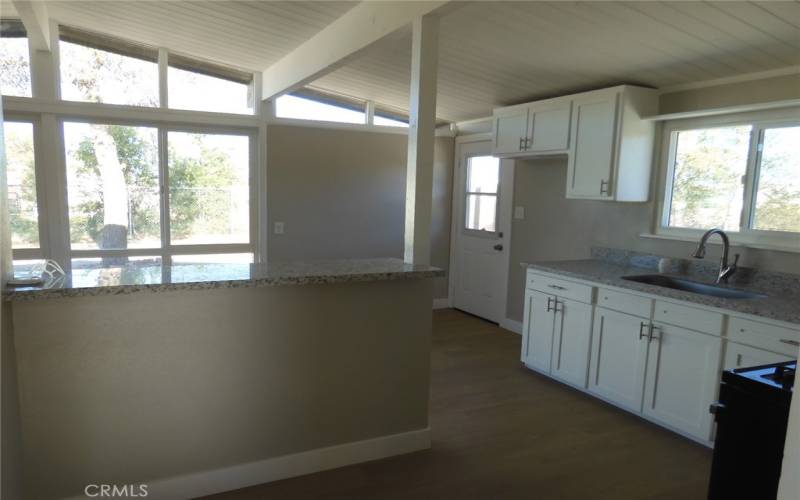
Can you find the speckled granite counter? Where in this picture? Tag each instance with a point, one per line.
(783, 290)
(134, 278)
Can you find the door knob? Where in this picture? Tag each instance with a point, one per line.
(498, 247)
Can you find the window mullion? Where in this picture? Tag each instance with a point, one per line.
(751, 179)
(163, 74)
(163, 190)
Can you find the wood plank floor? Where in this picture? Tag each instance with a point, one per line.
(501, 431)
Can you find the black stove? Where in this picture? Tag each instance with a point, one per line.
(752, 415)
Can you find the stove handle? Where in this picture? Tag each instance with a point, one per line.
(716, 408)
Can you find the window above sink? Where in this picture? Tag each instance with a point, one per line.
(739, 172)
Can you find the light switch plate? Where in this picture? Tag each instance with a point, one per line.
(279, 228)
(519, 213)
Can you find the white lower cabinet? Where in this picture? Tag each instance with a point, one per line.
(571, 339)
(619, 358)
(738, 356)
(658, 358)
(537, 339)
(682, 379)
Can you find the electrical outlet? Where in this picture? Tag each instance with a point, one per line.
(519, 213)
(279, 228)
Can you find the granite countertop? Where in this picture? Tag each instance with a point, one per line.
(782, 302)
(149, 277)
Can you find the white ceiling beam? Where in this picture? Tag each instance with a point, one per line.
(364, 24)
(37, 22)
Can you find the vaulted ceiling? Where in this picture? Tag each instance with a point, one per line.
(491, 53)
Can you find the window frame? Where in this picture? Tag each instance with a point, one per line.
(479, 232)
(31, 52)
(746, 235)
(167, 249)
(41, 198)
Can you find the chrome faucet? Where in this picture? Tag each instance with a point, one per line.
(725, 270)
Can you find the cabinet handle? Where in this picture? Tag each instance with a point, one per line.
(642, 326)
(556, 287)
(549, 304)
(557, 302)
(520, 144)
(528, 142)
(791, 342)
(603, 187)
(652, 337)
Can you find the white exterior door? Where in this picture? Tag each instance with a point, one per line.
(537, 334)
(619, 358)
(682, 379)
(480, 264)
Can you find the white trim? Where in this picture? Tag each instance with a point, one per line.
(511, 325)
(468, 138)
(297, 464)
(728, 110)
(734, 242)
(442, 303)
(760, 75)
(359, 127)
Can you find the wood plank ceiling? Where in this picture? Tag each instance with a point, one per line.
(491, 53)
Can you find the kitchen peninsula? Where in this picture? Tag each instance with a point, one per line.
(199, 378)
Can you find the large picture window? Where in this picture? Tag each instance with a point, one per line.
(119, 187)
(743, 177)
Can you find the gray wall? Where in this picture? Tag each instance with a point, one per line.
(556, 228)
(341, 194)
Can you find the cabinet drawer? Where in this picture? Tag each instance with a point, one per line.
(741, 356)
(770, 337)
(688, 317)
(562, 288)
(624, 302)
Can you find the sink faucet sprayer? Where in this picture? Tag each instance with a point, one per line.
(725, 270)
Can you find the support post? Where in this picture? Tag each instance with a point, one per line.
(421, 138)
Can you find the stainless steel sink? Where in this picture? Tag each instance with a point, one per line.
(693, 286)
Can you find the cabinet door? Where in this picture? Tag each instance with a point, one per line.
(571, 341)
(591, 159)
(683, 372)
(740, 356)
(548, 127)
(619, 358)
(537, 344)
(510, 130)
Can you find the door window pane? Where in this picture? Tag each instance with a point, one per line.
(778, 194)
(94, 75)
(113, 186)
(481, 212)
(209, 188)
(15, 67)
(198, 92)
(21, 180)
(707, 187)
(483, 174)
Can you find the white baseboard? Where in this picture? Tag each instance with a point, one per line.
(298, 464)
(441, 303)
(510, 324)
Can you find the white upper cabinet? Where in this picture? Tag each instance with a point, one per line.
(510, 130)
(529, 129)
(548, 126)
(608, 144)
